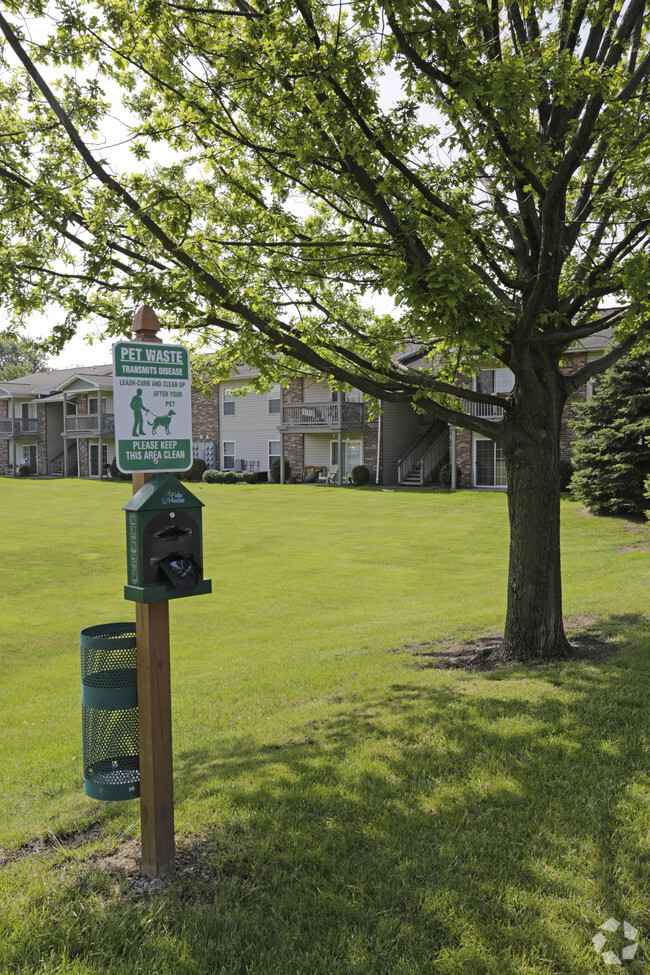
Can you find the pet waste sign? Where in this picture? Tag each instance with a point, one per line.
(152, 395)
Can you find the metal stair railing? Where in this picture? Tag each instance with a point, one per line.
(407, 464)
(437, 453)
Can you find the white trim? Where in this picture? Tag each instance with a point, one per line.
(233, 455)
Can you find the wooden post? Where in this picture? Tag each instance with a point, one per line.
(154, 700)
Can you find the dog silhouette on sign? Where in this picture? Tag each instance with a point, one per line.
(162, 421)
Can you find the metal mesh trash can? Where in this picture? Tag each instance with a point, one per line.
(109, 711)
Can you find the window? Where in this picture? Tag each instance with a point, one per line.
(274, 451)
(489, 381)
(494, 381)
(228, 455)
(92, 405)
(275, 399)
(28, 411)
(228, 402)
(351, 396)
(490, 464)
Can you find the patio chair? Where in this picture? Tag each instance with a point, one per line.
(332, 474)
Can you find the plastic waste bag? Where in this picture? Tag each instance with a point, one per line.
(183, 572)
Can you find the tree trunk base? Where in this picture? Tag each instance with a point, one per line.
(525, 651)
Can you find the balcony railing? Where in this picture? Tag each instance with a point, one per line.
(87, 424)
(18, 427)
(323, 415)
(487, 410)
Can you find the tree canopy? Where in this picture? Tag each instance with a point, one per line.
(19, 357)
(483, 164)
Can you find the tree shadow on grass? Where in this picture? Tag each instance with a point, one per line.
(471, 826)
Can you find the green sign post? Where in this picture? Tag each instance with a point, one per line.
(152, 394)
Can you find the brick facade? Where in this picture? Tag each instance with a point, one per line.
(464, 455)
(41, 438)
(84, 466)
(294, 452)
(370, 438)
(205, 419)
(294, 443)
(294, 393)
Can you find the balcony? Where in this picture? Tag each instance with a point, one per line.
(486, 410)
(18, 427)
(314, 417)
(87, 425)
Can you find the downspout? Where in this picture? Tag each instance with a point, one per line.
(13, 431)
(378, 443)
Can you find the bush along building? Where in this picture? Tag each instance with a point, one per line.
(61, 423)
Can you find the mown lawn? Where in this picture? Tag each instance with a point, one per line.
(340, 807)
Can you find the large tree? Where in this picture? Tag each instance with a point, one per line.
(20, 356)
(483, 162)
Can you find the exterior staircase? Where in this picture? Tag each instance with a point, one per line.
(55, 467)
(421, 464)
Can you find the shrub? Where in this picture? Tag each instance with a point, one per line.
(196, 471)
(360, 475)
(445, 475)
(212, 477)
(275, 470)
(24, 470)
(116, 474)
(229, 477)
(250, 477)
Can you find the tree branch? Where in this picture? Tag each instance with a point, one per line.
(597, 366)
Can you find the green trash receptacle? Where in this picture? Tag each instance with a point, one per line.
(109, 711)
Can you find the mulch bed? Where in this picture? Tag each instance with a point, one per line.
(482, 654)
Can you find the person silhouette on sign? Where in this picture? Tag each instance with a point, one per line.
(138, 409)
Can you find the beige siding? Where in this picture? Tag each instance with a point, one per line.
(317, 449)
(316, 391)
(251, 427)
(79, 386)
(401, 427)
(54, 413)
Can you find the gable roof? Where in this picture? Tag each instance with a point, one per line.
(40, 384)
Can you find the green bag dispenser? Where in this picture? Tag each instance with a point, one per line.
(164, 542)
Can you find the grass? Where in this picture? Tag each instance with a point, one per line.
(340, 808)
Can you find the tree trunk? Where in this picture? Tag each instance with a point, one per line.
(534, 628)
